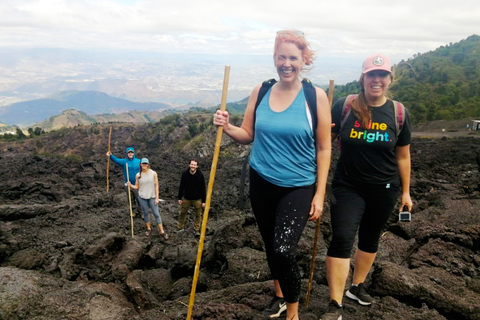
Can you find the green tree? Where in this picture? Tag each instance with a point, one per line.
(192, 129)
(20, 134)
(38, 131)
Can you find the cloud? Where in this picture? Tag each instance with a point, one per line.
(341, 28)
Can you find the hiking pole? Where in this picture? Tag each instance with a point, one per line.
(129, 200)
(331, 88)
(317, 224)
(223, 107)
(108, 161)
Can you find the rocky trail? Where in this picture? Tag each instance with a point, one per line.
(66, 250)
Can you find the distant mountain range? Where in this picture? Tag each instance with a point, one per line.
(5, 128)
(443, 84)
(89, 102)
(71, 118)
(177, 79)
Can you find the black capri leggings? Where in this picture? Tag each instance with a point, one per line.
(364, 208)
(281, 214)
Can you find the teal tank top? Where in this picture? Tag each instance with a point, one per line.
(283, 150)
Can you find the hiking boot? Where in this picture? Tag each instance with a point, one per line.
(164, 235)
(276, 307)
(334, 312)
(358, 293)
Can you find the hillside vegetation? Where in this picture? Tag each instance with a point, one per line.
(443, 84)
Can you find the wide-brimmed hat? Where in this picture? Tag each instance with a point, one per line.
(376, 62)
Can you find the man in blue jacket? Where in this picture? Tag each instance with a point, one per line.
(133, 169)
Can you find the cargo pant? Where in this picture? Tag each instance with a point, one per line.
(186, 204)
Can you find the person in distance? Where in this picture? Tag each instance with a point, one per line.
(371, 173)
(289, 164)
(148, 196)
(133, 168)
(192, 192)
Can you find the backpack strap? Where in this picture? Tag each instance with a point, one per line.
(399, 110)
(346, 109)
(311, 98)
(266, 85)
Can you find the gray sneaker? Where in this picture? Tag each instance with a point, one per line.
(334, 311)
(276, 307)
(358, 293)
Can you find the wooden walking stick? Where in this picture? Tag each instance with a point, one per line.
(223, 107)
(108, 161)
(317, 225)
(129, 200)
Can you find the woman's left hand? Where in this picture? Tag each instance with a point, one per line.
(406, 201)
(316, 208)
(157, 200)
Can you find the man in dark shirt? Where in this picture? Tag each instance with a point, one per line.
(192, 192)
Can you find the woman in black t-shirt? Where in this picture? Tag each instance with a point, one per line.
(373, 170)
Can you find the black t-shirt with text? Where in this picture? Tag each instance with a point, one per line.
(368, 154)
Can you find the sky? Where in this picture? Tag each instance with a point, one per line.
(342, 29)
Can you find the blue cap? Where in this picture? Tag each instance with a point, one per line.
(144, 160)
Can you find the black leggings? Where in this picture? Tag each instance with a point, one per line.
(281, 215)
(363, 208)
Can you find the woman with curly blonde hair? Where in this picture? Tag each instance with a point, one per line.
(289, 164)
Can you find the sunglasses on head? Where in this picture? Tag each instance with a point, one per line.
(285, 33)
(378, 73)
